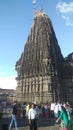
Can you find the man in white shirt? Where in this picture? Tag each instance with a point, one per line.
(56, 110)
(52, 107)
(32, 116)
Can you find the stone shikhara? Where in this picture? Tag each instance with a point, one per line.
(43, 74)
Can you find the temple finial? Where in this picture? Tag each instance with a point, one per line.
(41, 13)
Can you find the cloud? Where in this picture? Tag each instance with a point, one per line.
(66, 11)
(8, 82)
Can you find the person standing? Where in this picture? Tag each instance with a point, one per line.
(14, 116)
(27, 109)
(46, 111)
(19, 111)
(56, 110)
(52, 109)
(24, 110)
(32, 117)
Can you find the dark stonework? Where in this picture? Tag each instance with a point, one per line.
(42, 70)
(67, 78)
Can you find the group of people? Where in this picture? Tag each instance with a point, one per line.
(32, 116)
(61, 112)
(64, 114)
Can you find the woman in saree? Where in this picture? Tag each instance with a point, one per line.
(64, 118)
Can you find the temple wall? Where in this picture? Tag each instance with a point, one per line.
(34, 89)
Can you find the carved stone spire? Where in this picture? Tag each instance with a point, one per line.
(39, 61)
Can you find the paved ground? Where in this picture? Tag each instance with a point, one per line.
(41, 128)
(43, 124)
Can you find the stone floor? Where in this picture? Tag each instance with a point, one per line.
(43, 124)
(40, 128)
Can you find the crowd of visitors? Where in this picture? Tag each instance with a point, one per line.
(61, 112)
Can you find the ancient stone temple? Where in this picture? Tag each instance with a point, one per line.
(67, 78)
(40, 75)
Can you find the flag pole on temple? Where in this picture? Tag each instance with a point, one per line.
(34, 8)
(34, 2)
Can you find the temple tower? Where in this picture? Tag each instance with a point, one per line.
(38, 69)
